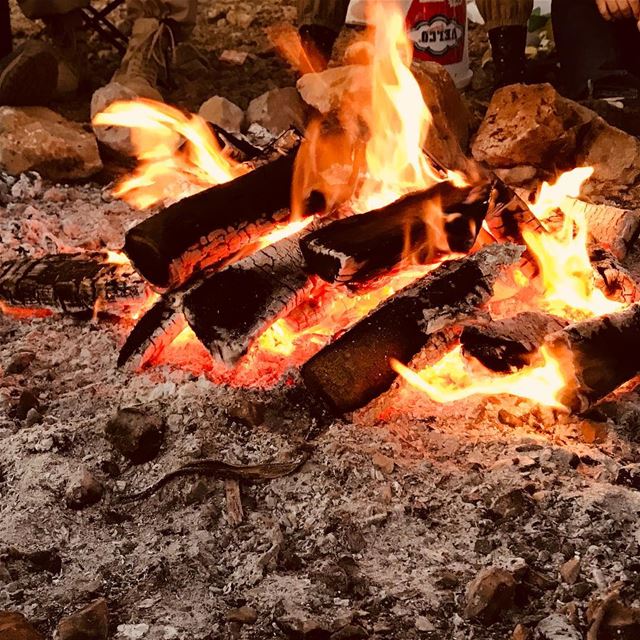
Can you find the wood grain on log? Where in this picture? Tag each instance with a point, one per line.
(504, 345)
(230, 309)
(612, 278)
(416, 227)
(71, 283)
(203, 229)
(597, 355)
(355, 368)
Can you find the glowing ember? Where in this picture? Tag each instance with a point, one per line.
(117, 257)
(177, 153)
(455, 378)
(562, 253)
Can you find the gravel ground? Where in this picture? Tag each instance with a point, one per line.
(378, 535)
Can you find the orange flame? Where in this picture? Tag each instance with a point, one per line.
(562, 253)
(177, 153)
(455, 378)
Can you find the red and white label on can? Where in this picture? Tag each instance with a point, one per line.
(437, 29)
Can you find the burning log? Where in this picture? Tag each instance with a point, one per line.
(504, 345)
(358, 247)
(203, 229)
(612, 278)
(71, 283)
(355, 368)
(156, 330)
(230, 309)
(597, 356)
(613, 228)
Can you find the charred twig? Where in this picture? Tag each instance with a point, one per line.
(212, 468)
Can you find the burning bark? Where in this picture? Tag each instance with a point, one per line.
(230, 309)
(612, 278)
(203, 229)
(504, 345)
(355, 368)
(71, 283)
(416, 227)
(597, 356)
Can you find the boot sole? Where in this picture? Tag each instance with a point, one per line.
(29, 79)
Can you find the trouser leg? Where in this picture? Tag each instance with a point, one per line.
(35, 9)
(182, 13)
(5, 28)
(330, 14)
(505, 13)
(588, 45)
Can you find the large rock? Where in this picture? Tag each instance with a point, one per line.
(90, 623)
(136, 434)
(556, 627)
(529, 125)
(83, 490)
(38, 139)
(535, 126)
(14, 626)
(223, 112)
(490, 594)
(340, 87)
(277, 110)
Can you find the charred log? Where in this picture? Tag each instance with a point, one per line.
(157, 329)
(230, 309)
(356, 248)
(612, 278)
(203, 229)
(613, 228)
(597, 356)
(504, 345)
(71, 283)
(355, 368)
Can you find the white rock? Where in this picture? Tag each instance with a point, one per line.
(556, 627)
(277, 110)
(132, 631)
(223, 112)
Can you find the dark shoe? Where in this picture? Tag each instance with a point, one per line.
(508, 46)
(28, 76)
(318, 42)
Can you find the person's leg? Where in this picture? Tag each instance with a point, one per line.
(506, 21)
(320, 22)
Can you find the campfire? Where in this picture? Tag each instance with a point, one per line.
(332, 259)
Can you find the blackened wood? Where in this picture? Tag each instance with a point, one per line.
(597, 356)
(417, 227)
(155, 331)
(504, 345)
(612, 278)
(230, 309)
(5, 29)
(71, 283)
(354, 369)
(202, 229)
(613, 228)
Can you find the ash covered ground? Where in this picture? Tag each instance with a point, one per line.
(377, 536)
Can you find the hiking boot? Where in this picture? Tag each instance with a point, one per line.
(508, 46)
(68, 39)
(28, 76)
(144, 65)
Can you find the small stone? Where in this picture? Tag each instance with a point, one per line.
(38, 139)
(33, 417)
(132, 631)
(350, 632)
(248, 412)
(570, 570)
(14, 626)
(517, 175)
(90, 623)
(520, 633)
(556, 627)
(83, 490)
(629, 476)
(489, 594)
(612, 619)
(239, 18)
(423, 624)
(136, 434)
(383, 463)
(278, 110)
(509, 419)
(28, 400)
(512, 504)
(21, 362)
(223, 112)
(232, 56)
(243, 615)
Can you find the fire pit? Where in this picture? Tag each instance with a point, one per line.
(415, 380)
